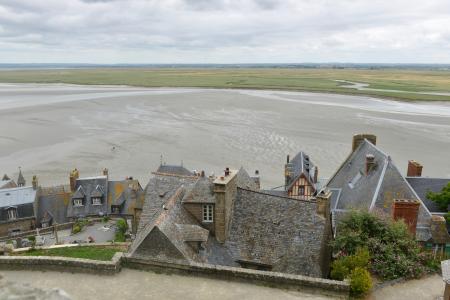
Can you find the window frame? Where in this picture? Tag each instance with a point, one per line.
(301, 188)
(76, 201)
(96, 201)
(12, 213)
(208, 213)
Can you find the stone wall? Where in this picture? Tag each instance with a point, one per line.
(41, 231)
(63, 264)
(273, 279)
(23, 224)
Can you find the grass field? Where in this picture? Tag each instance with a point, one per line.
(96, 253)
(408, 82)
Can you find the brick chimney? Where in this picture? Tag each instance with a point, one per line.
(323, 203)
(35, 182)
(74, 175)
(408, 210)
(225, 188)
(370, 163)
(439, 232)
(359, 138)
(414, 169)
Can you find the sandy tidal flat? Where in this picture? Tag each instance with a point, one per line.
(50, 129)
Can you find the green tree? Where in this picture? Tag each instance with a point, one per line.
(442, 198)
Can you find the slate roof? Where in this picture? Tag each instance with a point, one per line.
(353, 189)
(264, 229)
(282, 232)
(174, 170)
(53, 203)
(7, 183)
(21, 179)
(201, 192)
(301, 164)
(85, 189)
(21, 198)
(128, 194)
(17, 196)
(422, 185)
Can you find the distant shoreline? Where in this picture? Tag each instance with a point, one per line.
(392, 84)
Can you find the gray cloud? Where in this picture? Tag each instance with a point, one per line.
(139, 31)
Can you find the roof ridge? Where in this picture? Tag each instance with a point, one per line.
(278, 196)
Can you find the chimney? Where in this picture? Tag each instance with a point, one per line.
(74, 175)
(35, 182)
(225, 189)
(105, 172)
(439, 232)
(202, 174)
(323, 203)
(359, 138)
(370, 163)
(316, 174)
(227, 171)
(414, 169)
(287, 159)
(408, 210)
(257, 180)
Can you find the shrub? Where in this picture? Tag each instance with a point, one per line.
(122, 227)
(360, 281)
(105, 219)
(392, 250)
(344, 265)
(76, 228)
(339, 270)
(32, 238)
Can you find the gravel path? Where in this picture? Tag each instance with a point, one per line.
(131, 284)
(426, 288)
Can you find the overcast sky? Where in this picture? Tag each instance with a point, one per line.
(224, 31)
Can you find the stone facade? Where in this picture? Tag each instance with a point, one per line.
(26, 224)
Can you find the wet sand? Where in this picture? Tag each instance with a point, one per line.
(50, 129)
(131, 284)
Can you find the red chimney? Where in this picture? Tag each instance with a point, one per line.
(414, 169)
(408, 210)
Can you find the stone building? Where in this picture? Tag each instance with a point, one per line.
(301, 177)
(227, 220)
(369, 180)
(17, 210)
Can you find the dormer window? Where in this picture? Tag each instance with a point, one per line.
(77, 202)
(12, 213)
(208, 213)
(96, 201)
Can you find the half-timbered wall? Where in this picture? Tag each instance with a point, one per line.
(301, 184)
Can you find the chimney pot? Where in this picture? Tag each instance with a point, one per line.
(414, 169)
(287, 159)
(370, 163)
(257, 172)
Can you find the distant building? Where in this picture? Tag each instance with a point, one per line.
(227, 220)
(7, 182)
(301, 177)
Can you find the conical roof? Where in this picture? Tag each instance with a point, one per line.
(6, 177)
(21, 180)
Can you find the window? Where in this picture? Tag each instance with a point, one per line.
(301, 190)
(208, 211)
(77, 202)
(12, 214)
(96, 201)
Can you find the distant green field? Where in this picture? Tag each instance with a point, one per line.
(408, 82)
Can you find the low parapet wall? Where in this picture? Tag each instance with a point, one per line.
(64, 264)
(273, 279)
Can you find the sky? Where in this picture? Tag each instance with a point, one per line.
(224, 31)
